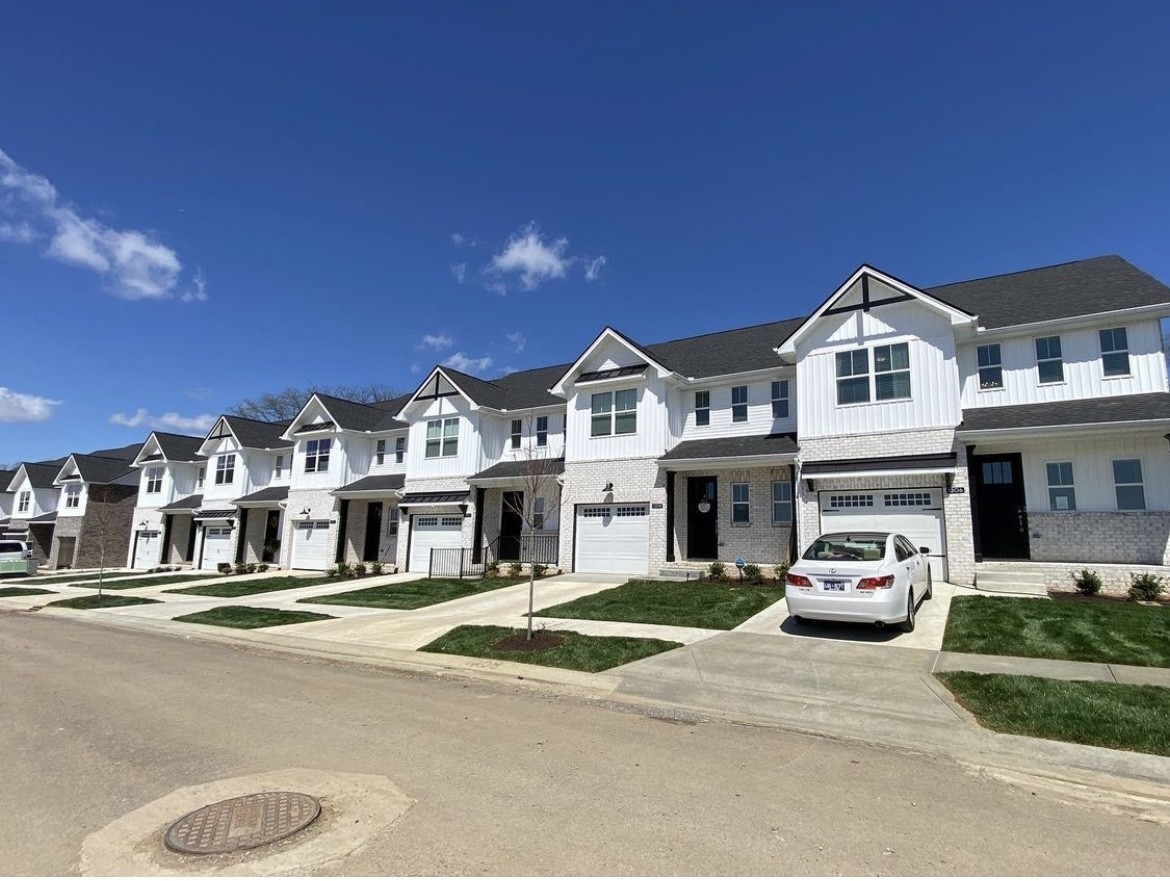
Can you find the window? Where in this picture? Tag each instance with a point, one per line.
(517, 432)
(317, 455)
(225, 469)
(891, 367)
(538, 513)
(739, 403)
(740, 508)
(202, 475)
(542, 431)
(278, 471)
(1061, 495)
(73, 496)
(997, 472)
(1127, 480)
(392, 522)
(1115, 352)
(702, 408)
(853, 377)
(451, 521)
(154, 478)
(781, 502)
(399, 450)
(380, 452)
(23, 502)
(615, 413)
(990, 366)
(780, 399)
(851, 501)
(1049, 365)
(442, 438)
(908, 500)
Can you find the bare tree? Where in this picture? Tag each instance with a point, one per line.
(102, 524)
(283, 405)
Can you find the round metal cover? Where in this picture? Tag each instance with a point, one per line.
(242, 823)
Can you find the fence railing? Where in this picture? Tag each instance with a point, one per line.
(542, 547)
(453, 563)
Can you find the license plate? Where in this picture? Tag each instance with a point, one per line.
(839, 586)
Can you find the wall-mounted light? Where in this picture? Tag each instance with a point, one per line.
(305, 513)
(608, 488)
(231, 523)
(142, 526)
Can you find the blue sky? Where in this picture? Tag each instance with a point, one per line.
(201, 202)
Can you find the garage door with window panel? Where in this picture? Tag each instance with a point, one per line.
(311, 545)
(146, 550)
(217, 546)
(613, 538)
(914, 513)
(433, 531)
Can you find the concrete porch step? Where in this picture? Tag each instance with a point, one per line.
(678, 574)
(1009, 576)
(1031, 590)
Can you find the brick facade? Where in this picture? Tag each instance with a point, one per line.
(634, 480)
(102, 534)
(1128, 537)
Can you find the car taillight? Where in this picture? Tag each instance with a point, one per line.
(882, 583)
(797, 580)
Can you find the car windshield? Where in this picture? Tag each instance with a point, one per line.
(11, 547)
(847, 547)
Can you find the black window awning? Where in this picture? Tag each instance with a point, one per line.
(612, 373)
(930, 463)
(435, 498)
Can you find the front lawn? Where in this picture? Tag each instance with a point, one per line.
(22, 591)
(414, 594)
(81, 579)
(229, 587)
(105, 601)
(247, 618)
(1067, 630)
(1130, 717)
(556, 648)
(152, 581)
(709, 604)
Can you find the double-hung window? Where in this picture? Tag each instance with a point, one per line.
(891, 368)
(780, 399)
(542, 431)
(614, 413)
(73, 496)
(380, 452)
(23, 502)
(317, 455)
(392, 522)
(853, 377)
(781, 502)
(1049, 362)
(278, 470)
(1127, 481)
(154, 478)
(702, 408)
(202, 475)
(1062, 496)
(225, 469)
(740, 504)
(1115, 351)
(516, 433)
(442, 438)
(990, 366)
(538, 513)
(399, 450)
(739, 403)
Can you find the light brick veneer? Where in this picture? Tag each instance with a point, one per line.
(760, 541)
(1128, 537)
(634, 480)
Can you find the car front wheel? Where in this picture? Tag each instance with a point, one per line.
(908, 624)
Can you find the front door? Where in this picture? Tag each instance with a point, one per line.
(373, 531)
(702, 518)
(271, 538)
(1000, 506)
(511, 525)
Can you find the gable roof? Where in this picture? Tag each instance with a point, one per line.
(738, 350)
(254, 434)
(179, 447)
(102, 469)
(521, 390)
(378, 416)
(5, 479)
(41, 474)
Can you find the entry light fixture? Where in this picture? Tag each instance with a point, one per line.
(704, 504)
(305, 513)
(608, 488)
(142, 526)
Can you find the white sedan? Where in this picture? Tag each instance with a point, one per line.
(867, 577)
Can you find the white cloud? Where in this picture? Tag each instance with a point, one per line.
(459, 270)
(593, 267)
(466, 364)
(170, 421)
(198, 291)
(496, 287)
(135, 264)
(436, 341)
(535, 260)
(517, 340)
(17, 407)
(458, 239)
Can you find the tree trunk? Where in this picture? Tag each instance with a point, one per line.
(531, 581)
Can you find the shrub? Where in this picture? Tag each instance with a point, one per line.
(359, 570)
(780, 570)
(251, 568)
(343, 570)
(538, 569)
(1087, 581)
(492, 570)
(717, 571)
(224, 568)
(1145, 586)
(376, 567)
(751, 574)
(331, 572)
(515, 570)
(263, 567)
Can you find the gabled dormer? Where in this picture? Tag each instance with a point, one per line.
(243, 455)
(444, 418)
(168, 466)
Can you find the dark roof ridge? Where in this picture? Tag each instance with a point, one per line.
(726, 330)
(284, 422)
(1020, 271)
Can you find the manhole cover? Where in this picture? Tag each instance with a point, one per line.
(241, 823)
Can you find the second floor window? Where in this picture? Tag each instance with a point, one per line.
(614, 413)
(317, 455)
(200, 478)
(542, 431)
(1115, 351)
(1049, 361)
(517, 433)
(990, 366)
(853, 377)
(73, 496)
(278, 468)
(399, 450)
(702, 408)
(891, 372)
(739, 403)
(154, 478)
(225, 469)
(780, 399)
(23, 502)
(380, 453)
(442, 438)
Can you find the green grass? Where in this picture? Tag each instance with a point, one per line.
(1129, 717)
(37, 581)
(578, 652)
(1070, 630)
(152, 581)
(93, 601)
(229, 587)
(22, 591)
(414, 594)
(247, 618)
(680, 603)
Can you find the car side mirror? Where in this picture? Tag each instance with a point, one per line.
(924, 550)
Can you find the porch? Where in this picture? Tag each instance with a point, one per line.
(261, 520)
(370, 520)
(517, 513)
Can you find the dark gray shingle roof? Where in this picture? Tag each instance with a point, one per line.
(519, 469)
(42, 474)
(182, 505)
(1089, 411)
(179, 447)
(515, 391)
(734, 447)
(268, 494)
(365, 417)
(375, 483)
(258, 435)
(99, 469)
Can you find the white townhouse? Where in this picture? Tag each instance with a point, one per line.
(7, 500)
(34, 506)
(94, 509)
(170, 483)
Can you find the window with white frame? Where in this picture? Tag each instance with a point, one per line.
(739, 395)
(780, 399)
(73, 496)
(23, 501)
(154, 478)
(538, 513)
(1128, 484)
(853, 377)
(1062, 495)
(202, 475)
(317, 455)
(740, 503)
(542, 431)
(442, 438)
(517, 433)
(614, 413)
(380, 452)
(225, 469)
(1049, 361)
(399, 450)
(1115, 351)
(702, 408)
(891, 372)
(781, 502)
(392, 522)
(278, 469)
(990, 366)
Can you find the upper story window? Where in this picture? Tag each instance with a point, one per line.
(853, 377)
(202, 475)
(225, 468)
(399, 450)
(23, 501)
(1115, 351)
(1128, 484)
(615, 413)
(990, 366)
(278, 468)
(73, 496)
(1049, 362)
(517, 433)
(542, 431)
(1062, 495)
(154, 478)
(780, 399)
(380, 452)
(739, 403)
(317, 455)
(891, 367)
(702, 408)
(442, 438)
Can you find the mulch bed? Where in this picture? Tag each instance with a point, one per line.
(540, 641)
(1104, 598)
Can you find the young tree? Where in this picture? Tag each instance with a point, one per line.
(283, 405)
(103, 524)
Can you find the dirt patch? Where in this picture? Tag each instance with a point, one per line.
(540, 641)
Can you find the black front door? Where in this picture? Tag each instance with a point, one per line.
(702, 525)
(511, 525)
(373, 531)
(271, 537)
(1001, 509)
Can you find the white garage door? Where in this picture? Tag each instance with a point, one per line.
(217, 546)
(915, 513)
(310, 548)
(431, 531)
(146, 551)
(613, 538)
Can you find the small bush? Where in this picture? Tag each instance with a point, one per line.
(1087, 581)
(224, 568)
(331, 572)
(492, 570)
(263, 567)
(751, 574)
(376, 567)
(241, 568)
(515, 570)
(251, 568)
(359, 570)
(538, 569)
(343, 570)
(717, 571)
(1146, 586)
(780, 570)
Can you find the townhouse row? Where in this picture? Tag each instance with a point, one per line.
(1016, 417)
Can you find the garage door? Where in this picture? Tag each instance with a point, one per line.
(146, 551)
(217, 546)
(915, 513)
(310, 548)
(613, 538)
(431, 531)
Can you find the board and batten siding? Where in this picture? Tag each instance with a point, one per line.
(651, 438)
(334, 477)
(759, 411)
(468, 459)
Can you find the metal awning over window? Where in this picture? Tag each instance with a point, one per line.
(882, 466)
(435, 498)
(219, 514)
(612, 373)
